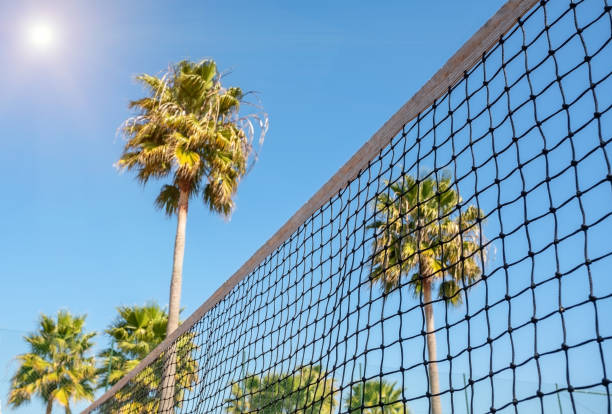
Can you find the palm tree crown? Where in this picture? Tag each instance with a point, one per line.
(134, 334)
(420, 233)
(57, 368)
(376, 397)
(307, 391)
(136, 331)
(190, 128)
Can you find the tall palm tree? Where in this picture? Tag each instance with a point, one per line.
(191, 130)
(420, 233)
(135, 332)
(375, 397)
(57, 368)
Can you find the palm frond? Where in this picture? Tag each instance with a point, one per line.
(168, 199)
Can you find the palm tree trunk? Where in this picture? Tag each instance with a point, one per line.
(167, 392)
(434, 382)
(49, 406)
(177, 266)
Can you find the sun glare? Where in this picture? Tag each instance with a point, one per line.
(41, 35)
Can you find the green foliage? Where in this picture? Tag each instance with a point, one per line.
(307, 391)
(420, 233)
(310, 390)
(57, 368)
(376, 397)
(136, 331)
(191, 129)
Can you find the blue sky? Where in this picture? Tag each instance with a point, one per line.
(78, 235)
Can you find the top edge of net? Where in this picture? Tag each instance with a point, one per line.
(446, 77)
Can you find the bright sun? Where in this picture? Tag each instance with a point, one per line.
(41, 35)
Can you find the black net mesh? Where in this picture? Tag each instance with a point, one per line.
(466, 269)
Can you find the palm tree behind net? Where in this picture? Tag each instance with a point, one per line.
(423, 235)
(376, 397)
(308, 390)
(135, 332)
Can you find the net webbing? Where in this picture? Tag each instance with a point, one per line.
(466, 269)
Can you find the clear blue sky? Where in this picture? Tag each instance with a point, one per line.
(78, 235)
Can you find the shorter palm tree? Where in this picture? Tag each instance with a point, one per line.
(311, 390)
(307, 391)
(57, 369)
(134, 334)
(257, 394)
(376, 397)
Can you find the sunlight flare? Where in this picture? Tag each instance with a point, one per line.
(41, 35)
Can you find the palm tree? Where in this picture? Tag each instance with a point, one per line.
(375, 397)
(307, 391)
(242, 395)
(136, 331)
(421, 233)
(57, 368)
(189, 129)
(258, 394)
(311, 390)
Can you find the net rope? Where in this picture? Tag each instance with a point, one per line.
(480, 232)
